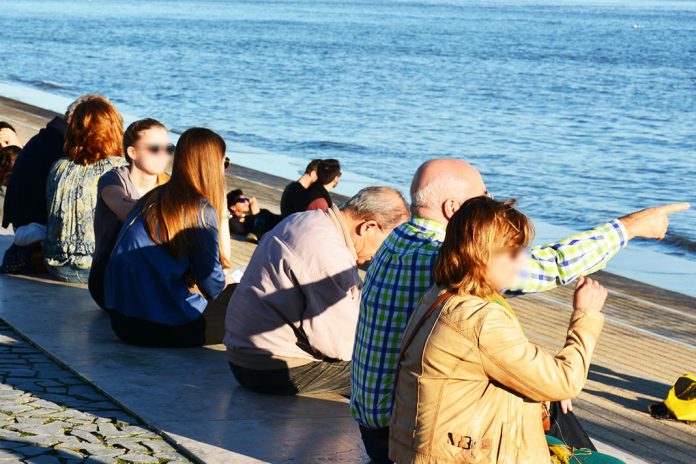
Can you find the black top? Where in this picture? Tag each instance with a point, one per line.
(25, 200)
(294, 199)
(316, 191)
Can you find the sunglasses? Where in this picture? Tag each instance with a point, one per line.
(242, 200)
(157, 149)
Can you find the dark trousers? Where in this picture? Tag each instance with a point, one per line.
(209, 329)
(376, 443)
(315, 377)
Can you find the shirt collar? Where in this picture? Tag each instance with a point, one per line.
(337, 219)
(428, 226)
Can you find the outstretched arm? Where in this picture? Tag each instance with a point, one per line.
(581, 254)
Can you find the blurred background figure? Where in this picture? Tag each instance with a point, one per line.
(294, 198)
(247, 218)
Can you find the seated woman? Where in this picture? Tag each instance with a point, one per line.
(147, 150)
(470, 384)
(170, 259)
(93, 146)
(248, 218)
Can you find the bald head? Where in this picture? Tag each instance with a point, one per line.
(441, 185)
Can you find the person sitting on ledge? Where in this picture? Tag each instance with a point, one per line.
(328, 175)
(147, 150)
(25, 202)
(294, 198)
(93, 146)
(291, 321)
(401, 274)
(8, 156)
(170, 260)
(8, 135)
(247, 218)
(469, 383)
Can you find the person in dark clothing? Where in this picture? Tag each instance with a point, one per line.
(8, 135)
(25, 200)
(294, 198)
(328, 175)
(247, 218)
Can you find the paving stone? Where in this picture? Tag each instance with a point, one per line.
(44, 459)
(86, 392)
(130, 444)
(86, 436)
(44, 441)
(6, 434)
(31, 451)
(139, 458)
(9, 454)
(14, 408)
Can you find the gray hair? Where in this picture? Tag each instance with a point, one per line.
(71, 107)
(435, 192)
(384, 205)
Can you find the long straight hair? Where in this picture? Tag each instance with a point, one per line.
(173, 210)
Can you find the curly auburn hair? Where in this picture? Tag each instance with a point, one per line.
(478, 229)
(95, 131)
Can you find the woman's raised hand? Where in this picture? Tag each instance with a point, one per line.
(589, 295)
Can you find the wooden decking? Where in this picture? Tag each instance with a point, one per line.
(649, 337)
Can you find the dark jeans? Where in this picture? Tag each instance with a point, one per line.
(209, 329)
(376, 443)
(315, 377)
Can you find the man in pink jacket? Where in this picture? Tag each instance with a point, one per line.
(291, 322)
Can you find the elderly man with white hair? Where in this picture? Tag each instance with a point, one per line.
(401, 273)
(291, 321)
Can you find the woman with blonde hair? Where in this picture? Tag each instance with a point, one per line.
(470, 385)
(170, 258)
(93, 145)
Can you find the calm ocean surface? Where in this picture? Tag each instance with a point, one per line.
(581, 111)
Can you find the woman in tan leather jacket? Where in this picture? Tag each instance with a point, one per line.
(470, 384)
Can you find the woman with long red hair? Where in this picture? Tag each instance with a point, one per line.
(170, 258)
(93, 146)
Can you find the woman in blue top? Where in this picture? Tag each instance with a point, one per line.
(170, 259)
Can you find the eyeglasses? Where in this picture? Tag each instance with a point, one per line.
(157, 149)
(227, 162)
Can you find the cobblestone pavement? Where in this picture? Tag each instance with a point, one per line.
(50, 416)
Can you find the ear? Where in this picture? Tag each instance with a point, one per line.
(366, 226)
(449, 207)
(131, 152)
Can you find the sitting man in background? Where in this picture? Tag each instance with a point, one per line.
(294, 198)
(8, 156)
(8, 135)
(402, 273)
(291, 321)
(328, 175)
(247, 218)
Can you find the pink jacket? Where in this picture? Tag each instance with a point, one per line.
(299, 298)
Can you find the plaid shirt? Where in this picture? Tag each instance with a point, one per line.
(401, 273)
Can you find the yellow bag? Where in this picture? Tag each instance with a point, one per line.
(681, 401)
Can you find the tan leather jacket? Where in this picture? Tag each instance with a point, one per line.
(470, 384)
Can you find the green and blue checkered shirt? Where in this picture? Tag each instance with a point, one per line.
(401, 273)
